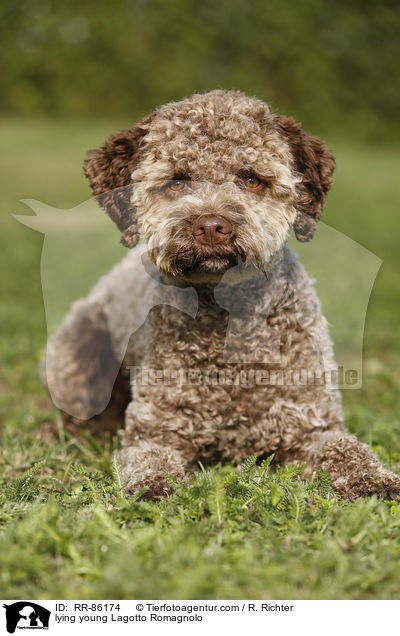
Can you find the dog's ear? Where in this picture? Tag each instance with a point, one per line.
(315, 165)
(109, 170)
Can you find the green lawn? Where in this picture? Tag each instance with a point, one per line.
(66, 527)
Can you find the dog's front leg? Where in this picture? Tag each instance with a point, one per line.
(156, 441)
(354, 470)
(80, 366)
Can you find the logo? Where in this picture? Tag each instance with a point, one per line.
(26, 615)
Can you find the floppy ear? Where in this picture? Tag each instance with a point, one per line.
(315, 165)
(109, 170)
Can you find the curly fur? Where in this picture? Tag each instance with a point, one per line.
(257, 310)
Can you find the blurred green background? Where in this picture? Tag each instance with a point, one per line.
(333, 66)
(74, 72)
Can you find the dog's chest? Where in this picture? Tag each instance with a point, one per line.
(226, 348)
(217, 375)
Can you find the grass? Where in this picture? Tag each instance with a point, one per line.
(67, 530)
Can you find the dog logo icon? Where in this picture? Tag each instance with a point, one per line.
(26, 615)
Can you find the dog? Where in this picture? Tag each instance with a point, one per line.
(213, 184)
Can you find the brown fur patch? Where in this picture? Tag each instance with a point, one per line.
(109, 170)
(315, 164)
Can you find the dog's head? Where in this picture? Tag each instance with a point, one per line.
(210, 181)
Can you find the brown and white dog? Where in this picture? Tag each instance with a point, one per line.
(213, 184)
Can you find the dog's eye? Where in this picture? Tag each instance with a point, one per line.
(252, 183)
(177, 185)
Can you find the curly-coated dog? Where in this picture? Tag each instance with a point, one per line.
(213, 184)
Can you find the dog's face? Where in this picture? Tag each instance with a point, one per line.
(211, 181)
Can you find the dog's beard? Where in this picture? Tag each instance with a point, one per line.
(188, 260)
(214, 260)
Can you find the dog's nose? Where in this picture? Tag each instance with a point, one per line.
(210, 230)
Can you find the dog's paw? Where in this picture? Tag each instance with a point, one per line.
(153, 488)
(146, 466)
(389, 486)
(382, 483)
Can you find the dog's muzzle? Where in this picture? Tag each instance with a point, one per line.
(205, 244)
